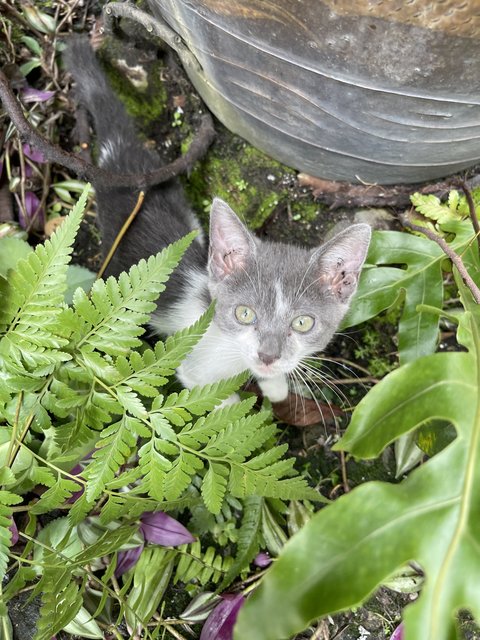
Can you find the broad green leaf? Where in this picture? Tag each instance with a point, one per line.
(151, 577)
(432, 518)
(84, 625)
(420, 282)
(78, 276)
(11, 251)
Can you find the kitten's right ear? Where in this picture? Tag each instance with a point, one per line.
(230, 242)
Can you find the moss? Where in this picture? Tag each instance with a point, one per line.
(242, 176)
(305, 212)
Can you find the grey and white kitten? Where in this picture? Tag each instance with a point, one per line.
(276, 304)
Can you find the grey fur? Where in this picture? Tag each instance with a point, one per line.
(279, 282)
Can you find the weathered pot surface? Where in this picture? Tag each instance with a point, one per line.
(383, 91)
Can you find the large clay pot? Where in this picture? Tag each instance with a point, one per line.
(383, 91)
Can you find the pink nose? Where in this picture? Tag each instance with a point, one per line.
(266, 358)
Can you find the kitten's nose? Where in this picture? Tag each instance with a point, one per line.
(266, 358)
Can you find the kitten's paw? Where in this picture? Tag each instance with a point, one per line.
(275, 389)
(228, 401)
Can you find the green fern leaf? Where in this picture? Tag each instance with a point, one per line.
(6, 500)
(115, 311)
(131, 402)
(107, 543)
(61, 599)
(32, 301)
(214, 486)
(249, 536)
(431, 207)
(204, 428)
(56, 495)
(241, 438)
(199, 400)
(115, 445)
(180, 475)
(154, 466)
(113, 508)
(81, 507)
(198, 566)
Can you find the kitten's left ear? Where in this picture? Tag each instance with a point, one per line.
(230, 241)
(340, 261)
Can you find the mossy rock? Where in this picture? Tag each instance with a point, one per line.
(138, 83)
(247, 179)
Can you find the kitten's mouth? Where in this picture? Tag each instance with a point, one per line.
(267, 370)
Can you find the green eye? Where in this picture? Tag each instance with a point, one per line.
(302, 324)
(245, 315)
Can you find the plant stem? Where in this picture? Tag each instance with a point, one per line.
(454, 257)
(471, 207)
(121, 233)
(92, 173)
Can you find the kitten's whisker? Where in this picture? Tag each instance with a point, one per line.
(325, 380)
(354, 377)
(305, 383)
(296, 392)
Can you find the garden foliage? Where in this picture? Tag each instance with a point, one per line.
(78, 378)
(431, 518)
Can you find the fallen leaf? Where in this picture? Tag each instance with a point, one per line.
(52, 225)
(304, 412)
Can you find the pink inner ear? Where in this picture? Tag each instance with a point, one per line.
(223, 264)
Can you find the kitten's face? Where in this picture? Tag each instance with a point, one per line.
(280, 303)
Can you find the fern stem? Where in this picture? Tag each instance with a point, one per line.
(121, 233)
(19, 441)
(68, 561)
(14, 429)
(78, 479)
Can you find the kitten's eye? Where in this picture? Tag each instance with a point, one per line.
(302, 324)
(245, 315)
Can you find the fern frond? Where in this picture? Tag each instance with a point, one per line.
(214, 486)
(244, 482)
(115, 446)
(55, 495)
(154, 466)
(81, 507)
(180, 475)
(32, 301)
(199, 400)
(202, 567)
(249, 535)
(241, 438)
(145, 372)
(61, 599)
(205, 428)
(116, 309)
(6, 500)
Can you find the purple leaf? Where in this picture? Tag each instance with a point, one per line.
(398, 633)
(127, 559)
(29, 94)
(33, 154)
(262, 560)
(76, 471)
(27, 216)
(14, 530)
(163, 529)
(219, 624)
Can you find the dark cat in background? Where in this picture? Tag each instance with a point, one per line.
(276, 304)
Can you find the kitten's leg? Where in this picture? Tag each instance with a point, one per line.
(275, 389)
